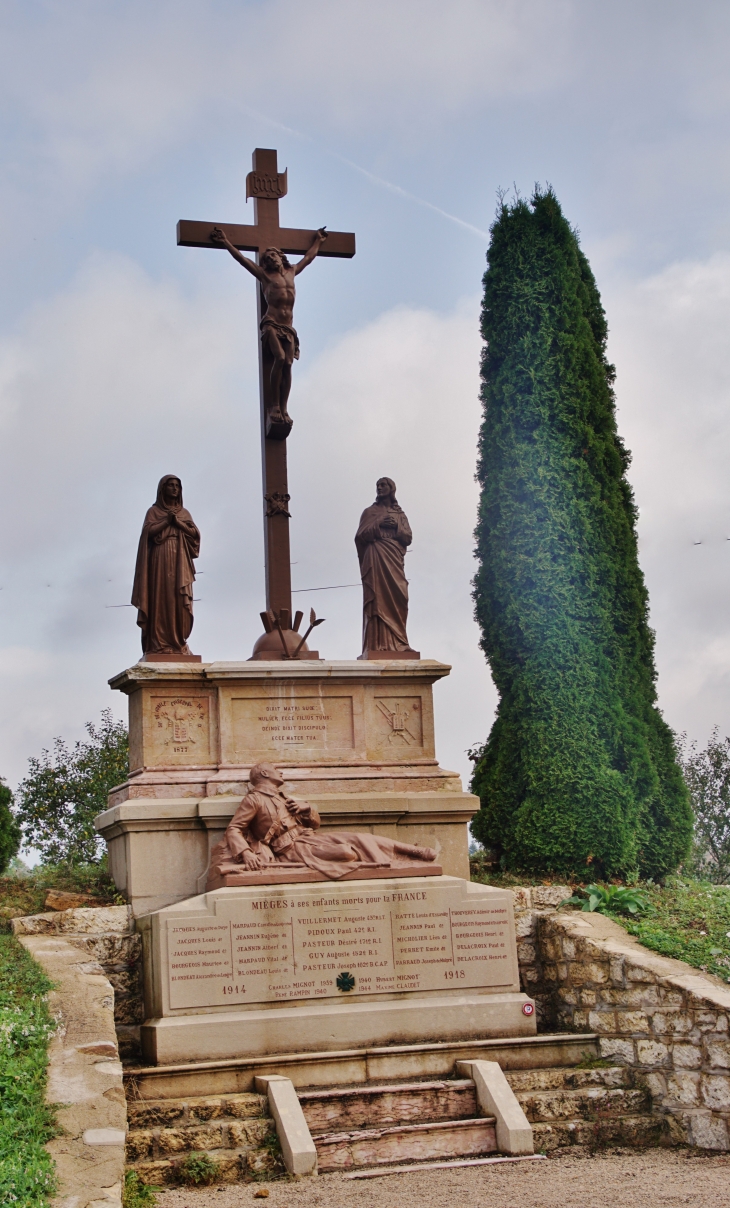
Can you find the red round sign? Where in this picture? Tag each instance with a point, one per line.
(528, 1009)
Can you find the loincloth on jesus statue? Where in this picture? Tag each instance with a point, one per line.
(272, 837)
(287, 337)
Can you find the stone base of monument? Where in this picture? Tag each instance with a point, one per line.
(261, 971)
(296, 874)
(354, 738)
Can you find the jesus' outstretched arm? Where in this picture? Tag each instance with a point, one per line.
(220, 237)
(308, 257)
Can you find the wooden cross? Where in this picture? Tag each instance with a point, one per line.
(267, 185)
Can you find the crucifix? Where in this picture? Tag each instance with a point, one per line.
(278, 348)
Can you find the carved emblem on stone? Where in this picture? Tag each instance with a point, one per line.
(183, 719)
(402, 722)
(345, 982)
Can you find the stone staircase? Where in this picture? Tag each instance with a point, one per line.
(367, 1126)
(589, 1107)
(359, 1122)
(235, 1130)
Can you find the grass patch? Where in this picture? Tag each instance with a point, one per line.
(688, 920)
(27, 1175)
(137, 1193)
(25, 893)
(589, 1062)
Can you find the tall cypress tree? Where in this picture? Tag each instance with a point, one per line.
(579, 773)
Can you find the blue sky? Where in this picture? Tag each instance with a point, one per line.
(123, 357)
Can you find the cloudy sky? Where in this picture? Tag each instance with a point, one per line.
(123, 357)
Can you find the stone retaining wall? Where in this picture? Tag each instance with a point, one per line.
(84, 1076)
(667, 1022)
(107, 934)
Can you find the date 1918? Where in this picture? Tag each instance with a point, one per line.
(453, 974)
(234, 989)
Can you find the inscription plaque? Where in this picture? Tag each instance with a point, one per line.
(263, 724)
(258, 946)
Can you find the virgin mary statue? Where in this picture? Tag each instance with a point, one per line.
(382, 540)
(164, 576)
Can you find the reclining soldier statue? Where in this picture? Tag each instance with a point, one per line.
(270, 830)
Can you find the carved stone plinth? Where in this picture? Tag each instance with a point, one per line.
(253, 970)
(356, 739)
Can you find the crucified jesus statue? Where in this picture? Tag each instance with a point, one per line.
(276, 277)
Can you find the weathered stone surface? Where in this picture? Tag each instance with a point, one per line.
(634, 1131)
(716, 1091)
(247, 1134)
(687, 1056)
(89, 1154)
(106, 934)
(549, 895)
(587, 1103)
(651, 1052)
(380, 1105)
(409, 1143)
(656, 1016)
(718, 1053)
(708, 1131)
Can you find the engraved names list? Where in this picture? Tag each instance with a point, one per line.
(282, 946)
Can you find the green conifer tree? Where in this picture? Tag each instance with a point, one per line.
(579, 773)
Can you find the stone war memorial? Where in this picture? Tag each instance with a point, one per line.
(295, 857)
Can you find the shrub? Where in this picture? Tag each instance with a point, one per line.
(9, 829)
(579, 773)
(197, 1170)
(707, 774)
(64, 791)
(137, 1193)
(613, 899)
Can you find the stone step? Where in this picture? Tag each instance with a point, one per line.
(144, 1143)
(568, 1078)
(586, 1103)
(638, 1132)
(196, 1109)
(406, 1143)
(234, 1166)
(364, 1066)
(358, 1107)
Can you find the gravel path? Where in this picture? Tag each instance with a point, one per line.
(656, 1178)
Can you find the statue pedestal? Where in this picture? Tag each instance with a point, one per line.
(313, 968)
(355, 738)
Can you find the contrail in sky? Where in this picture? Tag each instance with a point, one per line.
(378, 180)
(386, 184)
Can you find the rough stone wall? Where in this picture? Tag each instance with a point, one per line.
(664, 1020)
(107, 934)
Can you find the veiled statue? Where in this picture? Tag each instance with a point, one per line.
(382, 540)
(164, 575)
(271, 830)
